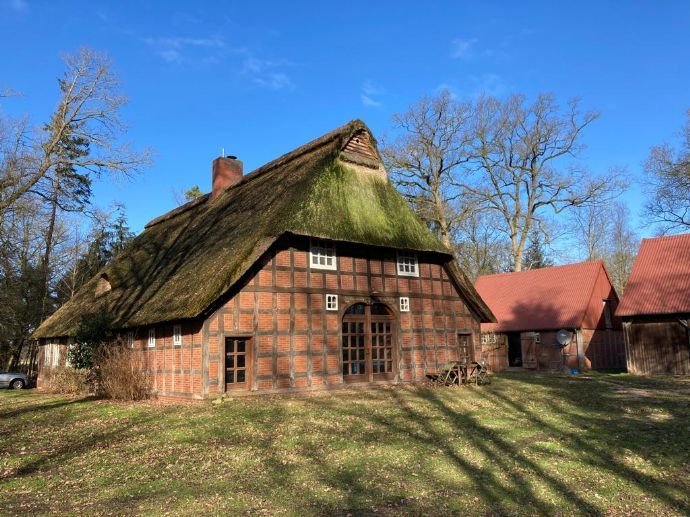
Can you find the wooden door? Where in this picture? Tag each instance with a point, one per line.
(237, 363)
(368, 343)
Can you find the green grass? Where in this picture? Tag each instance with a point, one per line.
(527, 444)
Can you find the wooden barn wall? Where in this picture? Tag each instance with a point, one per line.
(658, 346)
(41, 366)
(600, 349)
(603, 349)
(296, 343)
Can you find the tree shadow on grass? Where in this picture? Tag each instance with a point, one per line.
(605, 429)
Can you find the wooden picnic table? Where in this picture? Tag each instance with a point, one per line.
(462, 372)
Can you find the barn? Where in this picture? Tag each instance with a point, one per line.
(552, 318)
(655, 308)
(310, 272)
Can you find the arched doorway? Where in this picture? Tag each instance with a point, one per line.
(368, 350)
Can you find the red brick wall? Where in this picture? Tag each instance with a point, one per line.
(296, 342)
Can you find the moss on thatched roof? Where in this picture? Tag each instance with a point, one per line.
(188, 258)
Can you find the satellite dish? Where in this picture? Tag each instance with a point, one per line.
(564, 337)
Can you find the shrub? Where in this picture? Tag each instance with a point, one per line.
(94, 330)
(66, 380)
(119, 374)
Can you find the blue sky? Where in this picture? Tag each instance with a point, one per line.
(260, 78)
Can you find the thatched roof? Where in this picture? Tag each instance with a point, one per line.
(187, 259)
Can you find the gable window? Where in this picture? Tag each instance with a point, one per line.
(331, 302)
(322, 255)
(177, 335)
(408, 264)
(152, 338)
(130, 339)
(607, 313)
(404, 304)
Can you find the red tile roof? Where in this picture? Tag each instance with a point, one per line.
(660, 279)
(541, 299)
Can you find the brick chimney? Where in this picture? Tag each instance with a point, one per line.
(227, 171)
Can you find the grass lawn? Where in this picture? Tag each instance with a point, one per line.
(527, 444)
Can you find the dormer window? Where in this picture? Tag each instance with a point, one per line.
(408, 264)
(322, 255)
(103, 285)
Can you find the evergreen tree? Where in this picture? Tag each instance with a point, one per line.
(534, 257)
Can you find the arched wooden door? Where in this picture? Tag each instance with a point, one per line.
(368, 350)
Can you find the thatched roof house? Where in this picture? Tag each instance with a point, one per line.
(190, 263)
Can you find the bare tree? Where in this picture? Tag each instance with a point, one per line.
(668, 170)
(480, 248)
(516, 152)
(622, 248)
(425, 159)
(591, 227)
(87, 117)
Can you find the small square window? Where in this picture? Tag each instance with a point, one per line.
(130, 339)
(177, 335)
(404, 304)
(407, 264)
(331, 302)
(537, 337)
(152, 338)
(322, 255)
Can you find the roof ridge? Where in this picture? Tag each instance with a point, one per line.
(667, 237)
(353, 125)
(506, 273)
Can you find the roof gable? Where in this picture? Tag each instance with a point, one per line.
(660, 278)
(543, 299)
(188, 258)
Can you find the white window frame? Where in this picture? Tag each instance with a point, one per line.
(404, 304)
(321, 253)
(130, 339)
(331, 302)
(177, 335)
(407, 264)
(537, 337)
(152, 338)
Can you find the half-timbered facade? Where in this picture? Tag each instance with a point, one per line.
(309, 273)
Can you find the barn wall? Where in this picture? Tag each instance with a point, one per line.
(296, 343)
(602, 349)
(42, 366)
(594, 315)
(657, 346)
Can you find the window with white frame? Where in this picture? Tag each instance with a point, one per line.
(331, 302)
(537, 337)
(404, 304)
(152, 338)
(322, 255)
(177, 335)
(130, 339)
(407, 264)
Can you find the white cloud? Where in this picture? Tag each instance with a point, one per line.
(20, 6)
(368, 101)
(463, 48)
(489, 84)
(371, 92)
(178, 49)
(267, 73)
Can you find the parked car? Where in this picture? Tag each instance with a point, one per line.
(13, 380)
